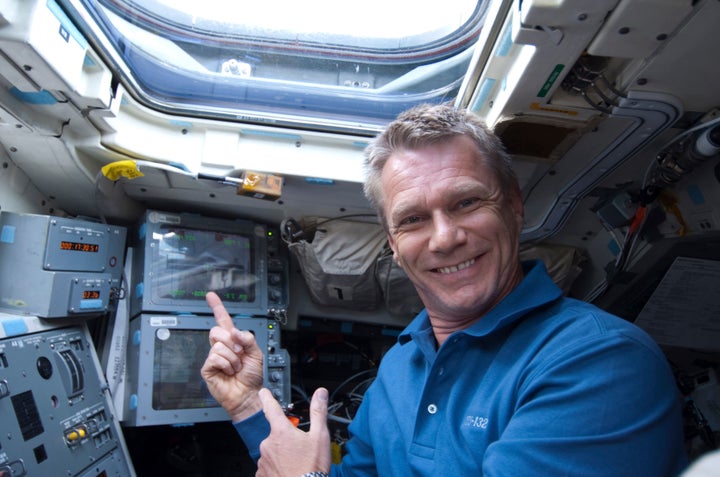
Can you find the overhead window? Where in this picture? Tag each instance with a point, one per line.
(317, 64)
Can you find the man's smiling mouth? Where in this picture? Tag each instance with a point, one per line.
(456, 268)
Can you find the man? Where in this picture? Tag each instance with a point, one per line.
(500, 375)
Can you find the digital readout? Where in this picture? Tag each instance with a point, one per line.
(79, 246)
(91, 295)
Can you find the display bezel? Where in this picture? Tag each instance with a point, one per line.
(161, 335)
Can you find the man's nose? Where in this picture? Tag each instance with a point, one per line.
(446, 233)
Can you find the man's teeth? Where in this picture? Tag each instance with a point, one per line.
(455, 268)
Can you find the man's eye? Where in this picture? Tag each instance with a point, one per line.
(467, 202)
(411, 220)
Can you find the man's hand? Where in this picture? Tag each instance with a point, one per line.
(288, 451)
(233, 369)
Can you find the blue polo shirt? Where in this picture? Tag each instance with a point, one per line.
(542, 385)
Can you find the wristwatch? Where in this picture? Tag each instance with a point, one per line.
(316, 474)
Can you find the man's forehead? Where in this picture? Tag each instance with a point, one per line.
(439, 193)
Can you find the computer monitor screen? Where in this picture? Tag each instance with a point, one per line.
(187, 263)
(179, 354)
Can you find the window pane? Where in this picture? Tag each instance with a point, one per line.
(316, 63)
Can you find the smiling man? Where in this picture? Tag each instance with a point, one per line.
(453, 230)
(500, 374)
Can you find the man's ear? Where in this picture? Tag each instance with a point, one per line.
(518, 207)
(393, 247)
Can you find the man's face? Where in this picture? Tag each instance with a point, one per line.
(451, 228)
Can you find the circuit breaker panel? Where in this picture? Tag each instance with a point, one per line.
(57, 418)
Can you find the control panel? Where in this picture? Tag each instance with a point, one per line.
(57, 417)
(54, 267)
(278, 275)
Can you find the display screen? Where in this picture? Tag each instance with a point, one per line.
(91, 295)
(79, 246)
(177, 384)
(187, 263)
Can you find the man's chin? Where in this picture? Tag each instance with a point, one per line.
(455, 305)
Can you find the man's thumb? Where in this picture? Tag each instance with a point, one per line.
(318, 410)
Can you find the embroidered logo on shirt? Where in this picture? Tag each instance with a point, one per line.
(476, 422)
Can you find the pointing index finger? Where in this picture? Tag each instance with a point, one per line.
(222, 317)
